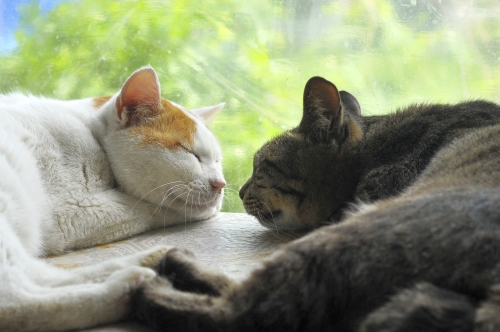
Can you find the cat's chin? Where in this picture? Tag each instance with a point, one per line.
(197, 215)
(282, 220)
(278, 220)
(269, 219)
(196, 210)
(178, 202)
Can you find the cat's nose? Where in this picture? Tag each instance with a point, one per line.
(243, 189)
(218, 185)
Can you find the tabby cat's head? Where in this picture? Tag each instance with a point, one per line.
(303, 177)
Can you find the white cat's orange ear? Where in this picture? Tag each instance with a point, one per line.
(139, 97)
(208, 113)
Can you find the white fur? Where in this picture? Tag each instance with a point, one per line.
(58, 191)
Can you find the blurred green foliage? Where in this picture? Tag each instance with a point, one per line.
(257, 56)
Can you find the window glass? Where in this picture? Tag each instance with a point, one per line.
(255, 55)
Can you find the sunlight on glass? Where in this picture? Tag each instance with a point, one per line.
(255, 55)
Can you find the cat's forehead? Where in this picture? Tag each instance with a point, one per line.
(172, 128)
(291, 147)
(283, 145)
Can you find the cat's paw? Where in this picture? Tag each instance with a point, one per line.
(98, 273)
(176, 258)
(120, 284)
(185, 273)
(152, 257)
(162, 307)
(150, 302)
(148, 258)
(129, 278)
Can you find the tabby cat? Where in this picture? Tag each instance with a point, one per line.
(423, 256)
(80, 173)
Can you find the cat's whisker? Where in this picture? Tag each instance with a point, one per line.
(193, 204)
(227, 192)
(192, 201)
(160, 204)
(272, 215)
(162, 185)
(172, 202)
(140, 199)
(186, 206)
(166, 194)
(231, 190)
(199, 201)
(172, 191)
(259, 214)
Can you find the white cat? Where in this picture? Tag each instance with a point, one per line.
(75, 174)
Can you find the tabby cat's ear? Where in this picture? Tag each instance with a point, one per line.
(323, 115)
(207, 113)
(350, 103)
(139, 97)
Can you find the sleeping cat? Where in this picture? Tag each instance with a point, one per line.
(85, 172)
(343, 158)
(424, 256)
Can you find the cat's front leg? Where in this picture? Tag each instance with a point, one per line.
(189, 296)
(29, 307)
(48, 275)
(165, 308)
(277, 297)
(186, 273)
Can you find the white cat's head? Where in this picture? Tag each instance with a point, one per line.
(161, 152)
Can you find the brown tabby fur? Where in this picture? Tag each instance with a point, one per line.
(425, 256)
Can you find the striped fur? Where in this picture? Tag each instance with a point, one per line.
(424, 255)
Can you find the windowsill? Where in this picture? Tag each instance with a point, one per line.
(232, 242)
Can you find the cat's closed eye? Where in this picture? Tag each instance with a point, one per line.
(190, 151)
(196, 156)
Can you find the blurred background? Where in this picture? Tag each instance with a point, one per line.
(254, 55)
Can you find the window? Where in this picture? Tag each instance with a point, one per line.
(255, 55)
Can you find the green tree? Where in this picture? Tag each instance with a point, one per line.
(257, 56)
(204, 52)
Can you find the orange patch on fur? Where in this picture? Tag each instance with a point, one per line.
(97, 102)
(171, 128)
(355, 135)
(355, 131)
